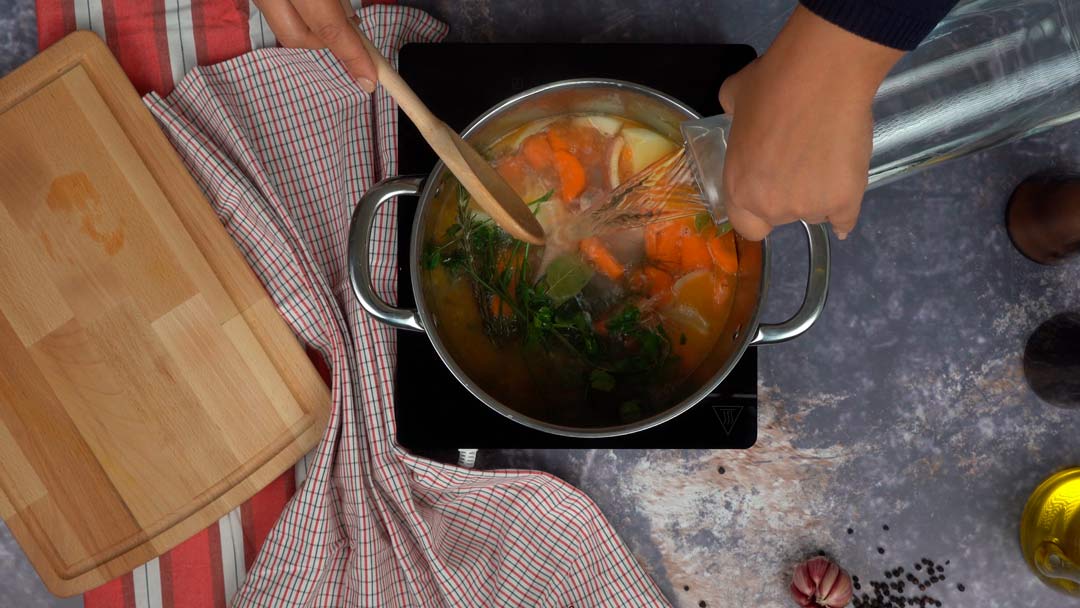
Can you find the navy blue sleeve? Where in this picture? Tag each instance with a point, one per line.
(900, 24)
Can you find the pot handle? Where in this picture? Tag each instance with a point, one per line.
(360, 252)
(817, 290)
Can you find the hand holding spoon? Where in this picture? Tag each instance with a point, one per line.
(487, 187)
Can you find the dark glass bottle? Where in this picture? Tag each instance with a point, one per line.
(1043, 218)
(1052, 360)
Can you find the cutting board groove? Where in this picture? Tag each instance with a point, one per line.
(148, 385)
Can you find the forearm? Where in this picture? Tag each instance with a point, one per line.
(813, 59)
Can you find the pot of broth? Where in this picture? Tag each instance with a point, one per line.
(612, 327)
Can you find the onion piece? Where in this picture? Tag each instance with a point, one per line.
(613, 162)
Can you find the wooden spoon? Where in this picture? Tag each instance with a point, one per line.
(486, 186)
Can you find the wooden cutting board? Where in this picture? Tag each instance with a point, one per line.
(148, 385)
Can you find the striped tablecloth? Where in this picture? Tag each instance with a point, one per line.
(284, 144)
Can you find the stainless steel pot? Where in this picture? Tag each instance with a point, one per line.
(658, 112)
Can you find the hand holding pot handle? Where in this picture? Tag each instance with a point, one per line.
(817, 291)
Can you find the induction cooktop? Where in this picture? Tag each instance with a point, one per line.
(434, 412)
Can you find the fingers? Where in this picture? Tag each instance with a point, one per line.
(749, 226)
(843, 219)
(728, 90)
(350, 13)
(328, 21)
(733, 85)
(288, 25)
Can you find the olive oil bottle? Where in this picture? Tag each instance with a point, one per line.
(1050, 531)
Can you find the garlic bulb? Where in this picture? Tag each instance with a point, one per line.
(820, 583)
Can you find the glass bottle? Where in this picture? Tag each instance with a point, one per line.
(1050, 531)
(1043, 218)
(991, 72)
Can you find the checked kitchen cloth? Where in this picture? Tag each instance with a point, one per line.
(284, 144)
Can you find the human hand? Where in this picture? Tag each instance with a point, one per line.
(802, 128)
(319, 24)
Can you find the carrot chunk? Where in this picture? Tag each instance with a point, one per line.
(722, 251)
(652, 239)
(499, 308)
(571, 175)
(694, 253)
(667, 246)
(537, 151)
(626, 164)
(559, 139)
(658, 284)
(598, 255)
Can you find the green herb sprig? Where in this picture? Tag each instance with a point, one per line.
(547, 312)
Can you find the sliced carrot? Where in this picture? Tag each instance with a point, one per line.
(571, 175)
(559, 139)
(537, 151)
(597, 254)
(667, 254)
(659, 284)
(507, 259)
(626, 163)
(722, 251)
(694, 253)
(652, 239)
(658, 280)
(500, 308)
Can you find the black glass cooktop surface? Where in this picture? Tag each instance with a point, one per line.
(433, 410)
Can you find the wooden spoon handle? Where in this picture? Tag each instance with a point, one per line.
(487, 187)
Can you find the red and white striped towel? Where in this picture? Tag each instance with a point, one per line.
(284, 144)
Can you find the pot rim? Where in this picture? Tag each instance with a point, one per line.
(430, 327)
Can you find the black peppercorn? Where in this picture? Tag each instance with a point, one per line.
(881, 550)
(960, 588)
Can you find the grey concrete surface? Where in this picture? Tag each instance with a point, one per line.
(904, 406)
